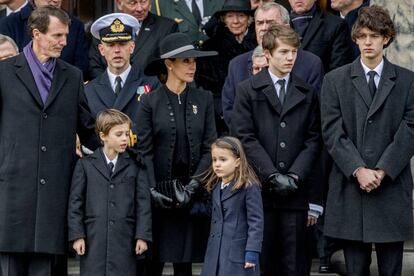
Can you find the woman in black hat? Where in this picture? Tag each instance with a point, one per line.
(175, 130)
(234, 35)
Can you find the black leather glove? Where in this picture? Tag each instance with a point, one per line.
(185, 193)
(282, 184)
(160, 201)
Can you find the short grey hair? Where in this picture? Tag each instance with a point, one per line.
(272, 5)
(5, 38)
(258, 52)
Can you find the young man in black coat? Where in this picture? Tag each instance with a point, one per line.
(367, 112)
(43, 107)
(276, 118)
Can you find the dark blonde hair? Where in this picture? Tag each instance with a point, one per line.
(244, 175)
(109, 118)
(377, 19)
(284, 33)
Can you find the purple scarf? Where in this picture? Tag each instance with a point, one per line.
(42, 73)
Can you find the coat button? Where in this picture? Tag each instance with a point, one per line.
(111, 186)
(43, 148)
(112, 204)
(42, 181)
(281, 164)
(111, 222)
(224, 209)
(282, 145)
(44, 115)
(282, 124)
(171, 114)
(172, 120)
(369, 121)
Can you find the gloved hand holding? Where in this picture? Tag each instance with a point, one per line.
(160, 200)
(185, 193)
(282, 184)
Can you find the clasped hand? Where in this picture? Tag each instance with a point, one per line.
(369, 179)
(282, 184)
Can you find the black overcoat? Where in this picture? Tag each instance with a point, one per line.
(374, 133)
(236, 227)
(152, 30)
(37, 155)
(110, 212)
(328, 37)
(178, 237)
(276, 139)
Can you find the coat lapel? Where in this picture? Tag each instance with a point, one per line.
(293, 96)
(144, 32)
(229, 192)
(59, 80)
(25, 75)
(128, 91)
(104, 90)
(181, 8)
(263, 81)
(312, 28)
(360, 82)
(99, 162)
(121, 163)
(387, 82)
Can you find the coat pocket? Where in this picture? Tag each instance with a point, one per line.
(237, 249)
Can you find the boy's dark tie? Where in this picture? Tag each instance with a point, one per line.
(111, 167)
(282, 91)
(371, 83)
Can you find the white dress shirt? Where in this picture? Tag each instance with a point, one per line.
(377, 69)
(277, 85)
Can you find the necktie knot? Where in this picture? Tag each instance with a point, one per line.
(282, 90)
(118, 86)
(111, 167)
(372, 74)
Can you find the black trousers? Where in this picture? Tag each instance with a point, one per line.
(32, 264)
(283, 251)
(180, 269)
(358, 258)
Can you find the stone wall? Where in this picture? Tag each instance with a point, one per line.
(401, 51)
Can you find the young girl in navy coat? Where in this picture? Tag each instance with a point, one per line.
(236, 231)
(109, 213)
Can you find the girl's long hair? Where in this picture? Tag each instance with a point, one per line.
(244, 175)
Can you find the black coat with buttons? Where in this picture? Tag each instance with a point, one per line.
(278, 139)
(109, 211)
(37, 155)
(178, 237)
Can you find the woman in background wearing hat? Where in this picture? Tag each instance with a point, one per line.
(234, 35)
(175, 132)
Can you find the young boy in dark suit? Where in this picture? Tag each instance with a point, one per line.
(276, 118)
(109, 213)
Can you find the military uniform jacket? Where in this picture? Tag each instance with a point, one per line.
(110, 212)
(278, 139)
(236, 227)
(153, 29)
(37, 155)
(157, 131)
(180, 13)
(361, 131)
(101, 96)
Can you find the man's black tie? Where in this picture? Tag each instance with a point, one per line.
(118, 86)
(282, 91)
(111, 167)
(196, 12)
(371, 83)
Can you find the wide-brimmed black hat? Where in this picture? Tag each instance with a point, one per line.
(235, 5)
(175, 45)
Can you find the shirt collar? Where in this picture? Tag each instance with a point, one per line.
(123, 76)
(377, 69)
(9, 11)
(224, 185)
(113, 160)
(276, 78)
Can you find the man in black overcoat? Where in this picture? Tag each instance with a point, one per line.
(276, 118)
(42, 107)
(367, 124)
(147, 39)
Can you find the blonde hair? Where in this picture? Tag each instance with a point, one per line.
(244, 175)
(109, 118)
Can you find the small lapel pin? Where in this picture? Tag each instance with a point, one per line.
(147, 29)
(195, 109)
(145, 89)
